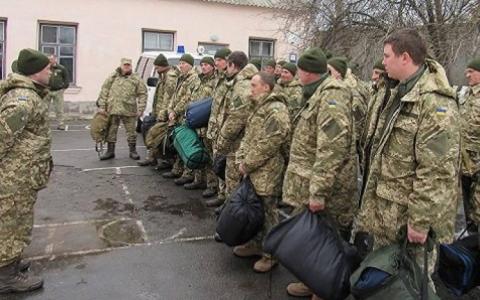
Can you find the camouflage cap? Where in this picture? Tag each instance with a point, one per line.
(339, 64)
(161, 61)
(188, 59)
(15, 66)
(474, 64)
(208, 60)
(313, 60)
(269, 62)
(222, 53)
(379, 65)
(290, 67)
(31, 61)
(125, 61)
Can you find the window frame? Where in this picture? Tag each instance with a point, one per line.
(220, 45)
(147, 30)
(3, 54)
(261, 40)
(57, 45)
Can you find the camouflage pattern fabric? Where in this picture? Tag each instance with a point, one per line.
(186, 84)
(322, 164)
(293, 94)
(360, 102)
(99, 127)
(164, 92)
(55, 98)
(130, 125)
(412, 160)
(470, 126)
(25, 161)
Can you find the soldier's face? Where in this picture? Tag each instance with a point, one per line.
(278, 70)
(335, 74)
(126, 68)
(473, 76)
(184, 67)
(258, 87)
(394, 64)
(43, 77)
(206, 68)
(269, 70)
(220, 64)
(376, 75)
(231, 69)
(306, 77)
(286, 76)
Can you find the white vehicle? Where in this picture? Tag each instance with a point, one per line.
(146, 70)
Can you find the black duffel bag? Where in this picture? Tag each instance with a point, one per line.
(147, 123)
(309, 246)
(198, 113)
(243, 215)
(219, 165)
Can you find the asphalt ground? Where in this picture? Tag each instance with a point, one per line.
(112, 230)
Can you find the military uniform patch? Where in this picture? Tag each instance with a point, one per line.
(332, 104)
(441, 111)
(22, 98)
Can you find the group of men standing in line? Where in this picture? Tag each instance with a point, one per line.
(300, 132)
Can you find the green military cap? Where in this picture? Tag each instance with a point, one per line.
(161, 61)
(188, 59)
(379, 65)
(126, 61)
(15, 66)
(313, 60)
(474, 64)
(281, 63)
(270, 62)
(31, 61)
(339, 64)
(208, 60)
(291, 67)
(222, 53)
(257, 62)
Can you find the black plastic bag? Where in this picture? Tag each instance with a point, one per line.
(242, 217)
(309, 246)
(147, 123)
(219, 166)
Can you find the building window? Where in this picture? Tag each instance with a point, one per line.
(2, 49)
(261, 48)
(211, 48)
(157, 41)
(60, 40)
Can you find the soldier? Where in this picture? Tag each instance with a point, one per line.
(269, 66)
(221, 89)
(339, 70)
(321, 172)
(186, 84)
(471, 145)
(25, 165)
(204, 178)
(291, 88)
(59, 81)
(278, 69)
(233, 113)
(377, 72)
(261, 159)
(164, 92)
(123, 97)
(412, 150)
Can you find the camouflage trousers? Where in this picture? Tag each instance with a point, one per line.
(155, 137)
(56, 99)
(296, 193)
(271, 219)
(206, 174)
(475, 204)
(16, 223)
(179, 168)
(383, 219)
(232, 176)
(128, 122)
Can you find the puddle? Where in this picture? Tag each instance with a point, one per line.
(121, 233)
(192, 207)
(113, 207)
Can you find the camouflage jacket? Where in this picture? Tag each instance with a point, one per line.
(413, 156)
(59, 79)
(323, 145)
(205, 87)
(25, 160)
(164, 93)
(186, 84)
(360, 102)
(293, 94)
(470, 122)
(266, 131)
(234, 112)
(119, 94)
(220, 90)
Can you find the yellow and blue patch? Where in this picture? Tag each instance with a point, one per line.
(441, 111)
(22, 98)
(332, 104)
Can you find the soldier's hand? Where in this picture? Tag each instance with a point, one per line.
(416, 237)
(102, 111)
(171, 116)
(242, 170)
(139, 114)
(315, 206)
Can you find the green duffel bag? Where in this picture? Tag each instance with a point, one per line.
(190, 148)
(392, 273)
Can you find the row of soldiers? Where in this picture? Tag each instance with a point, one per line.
(304, 132)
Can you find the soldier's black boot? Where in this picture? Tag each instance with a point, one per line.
(12, 280)
(110, 152)
(133, 151)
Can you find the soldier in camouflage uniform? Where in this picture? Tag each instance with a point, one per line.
(25, 164)
(261, 159)
(164, 92)
(269, 65)
(59, 81)
(123, 97)
(377, 72)
(220, 90)
(233, 113)
(412, 150)
(186, 84)
(291, 88)
(204, 178)
(321, 172)
(470, 113)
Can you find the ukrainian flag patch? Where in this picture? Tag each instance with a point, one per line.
(441, 111)
(22, 98)
(332, 104)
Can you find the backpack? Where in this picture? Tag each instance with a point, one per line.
(189, 147)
